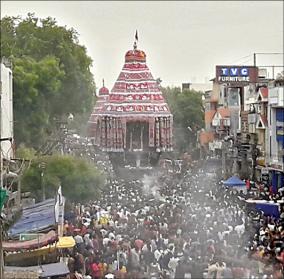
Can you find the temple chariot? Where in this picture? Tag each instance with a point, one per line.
(132, 122)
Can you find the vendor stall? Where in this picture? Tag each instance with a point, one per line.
(36, 218)
(22, 255)
(236, 183)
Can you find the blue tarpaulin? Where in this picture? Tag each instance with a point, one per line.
(268, 208)
(234, 181)
(35, 218)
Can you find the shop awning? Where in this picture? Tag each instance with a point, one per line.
(234, 181)
(37, 218)
(41, 241)
(65, 242)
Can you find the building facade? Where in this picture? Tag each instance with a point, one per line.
(265, 107)
(225, 116)
(6, 111)
(275, 135)
(244, 116)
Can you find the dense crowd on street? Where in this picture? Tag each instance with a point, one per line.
(176, 227)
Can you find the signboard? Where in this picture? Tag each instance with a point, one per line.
(236, 75)
(279, 131)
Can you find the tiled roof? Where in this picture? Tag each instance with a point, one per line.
(224, 112)
(263, 91)
(264, 120)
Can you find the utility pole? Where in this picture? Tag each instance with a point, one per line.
(3, 197)
(42, 167)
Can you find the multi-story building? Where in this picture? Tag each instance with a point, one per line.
(8, 178)
(275, 134)
(236, 109)
(264, 103)
(256, 101)
(247, 108)
(6, 109)
(224, 110)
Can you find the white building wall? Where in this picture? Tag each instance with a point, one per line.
(272, 145)
(6, 112)
(276, 96)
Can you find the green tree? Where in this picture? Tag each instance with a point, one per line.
(188, 112)
(80, 180)
(36, 87)
(25, 153)
(51, 74)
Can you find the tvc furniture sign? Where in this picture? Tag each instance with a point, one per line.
(236, 74)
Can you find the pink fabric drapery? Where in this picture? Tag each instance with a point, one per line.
(110, 133)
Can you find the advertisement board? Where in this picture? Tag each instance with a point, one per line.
(236, 75)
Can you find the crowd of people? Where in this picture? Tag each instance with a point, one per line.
(164, 226)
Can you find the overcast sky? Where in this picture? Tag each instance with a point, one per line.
(183, 41)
